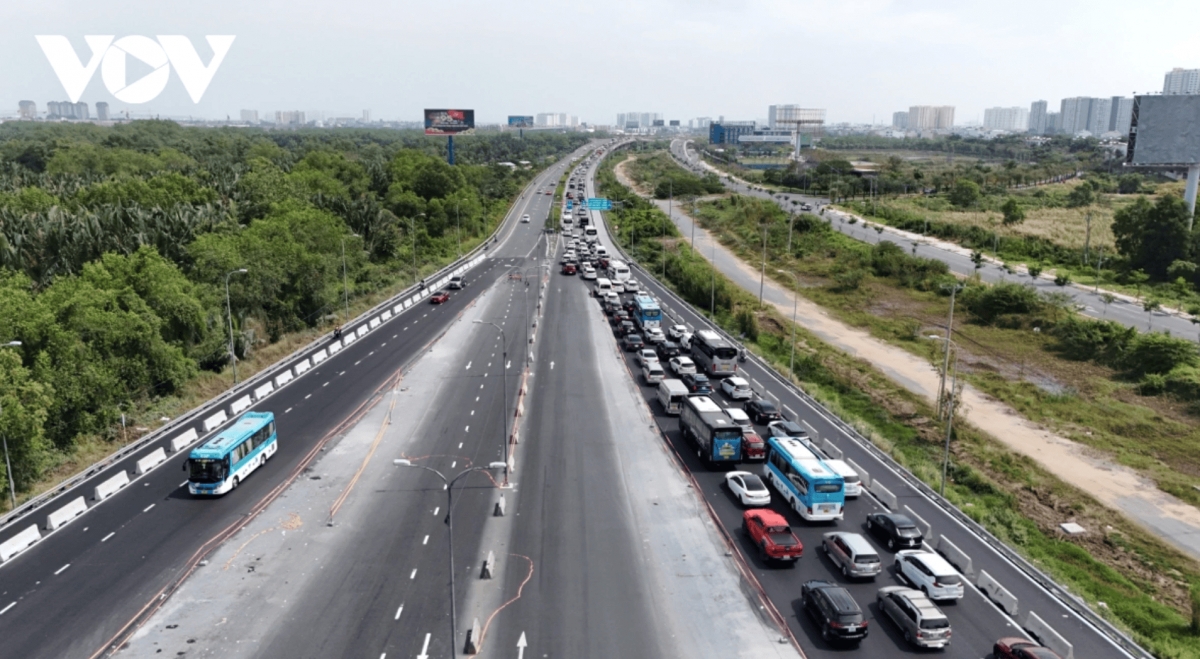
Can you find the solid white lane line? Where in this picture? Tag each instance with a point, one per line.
(183, 483)
(472, 412)
(287, 410)
(454, 464)
(425, 648)
(108, 536)
(413, 575)
(435, 511)
(467, 429)
(5, 609)
(62, 569)
(308, 396)
(147, 508)
(399, 611)
(358, 362)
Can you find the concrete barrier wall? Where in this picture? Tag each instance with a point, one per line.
(183, 440)
(302, 366)
(374, 323)
(60, 517)
(756, 386)
(958, 557)
(883, 494)
(997, 593)
(812, 432)
(349, 338)
(926, 528)
(362, 331)
(284, 378)
(790, 414)
(862, 473)
(334, 347)
(318, 356)
(214, 421)
(151, 460)
(830, 449)
(773, 398)
(239, 404)
(1047, 636)
(387, 315)
(19, 543)
(110, 486)
(261, 392)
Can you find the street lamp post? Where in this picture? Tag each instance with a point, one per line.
(450, 526)
(229, 313)
(504, 390)
(525, 290)
(12, 489)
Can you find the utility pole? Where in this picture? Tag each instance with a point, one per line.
(949, 425)
(946, 359)
(762, 278)
(1087, 239)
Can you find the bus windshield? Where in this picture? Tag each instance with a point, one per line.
(206, 471)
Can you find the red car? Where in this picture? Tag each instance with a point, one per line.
(439, 297)
(771, 533)
(568, 269)
(756, 448)
(1021, 648)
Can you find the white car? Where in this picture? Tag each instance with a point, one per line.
(737, 388)
(748, 488)
(681, 365)
(685, 341)
(676, 332)
(784, 428)
(645, 356)
(931, 573)
(740, 417)
(525, 218)
(655, 336)
(589, 272)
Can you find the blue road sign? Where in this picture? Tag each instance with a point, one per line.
(599, 204)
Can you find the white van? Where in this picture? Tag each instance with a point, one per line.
(600, 251)
(853, 481)
(590, 234)
(618, 271)
(602, 287)
(671, 394)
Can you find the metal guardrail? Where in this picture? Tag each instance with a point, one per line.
(38, 502)
(1069, 600)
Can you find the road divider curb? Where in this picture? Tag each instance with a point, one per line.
(351, 337)
(319, 356)
(183, 440)
(284, 377)
(884, 495)
(812, 432)
(214, 421)
(239, 404)
(261, 392)
(374, 322)
(60, 517)
(472, 644)
(957, 557)
(19, 543)
(110, 486)
(997, 593)
(302, 366)
(926, 528)
(334, 347)
(150, 461)
(387, 315)
(790, 414)
(1046, 635)
(500, 505)
(362, 331)
(489, 566)
(831, 449)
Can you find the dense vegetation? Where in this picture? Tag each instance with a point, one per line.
(116, 245)
(669, 180)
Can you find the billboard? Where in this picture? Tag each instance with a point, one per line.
(520, 121)
(1165, 130)
(449, 122)
(658, 122)
(674, 122)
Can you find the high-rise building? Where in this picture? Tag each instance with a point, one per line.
(1182, 81)
(250, 116)
(1053, 123)
(67, 110)
(289, 118)
(27, 110)
(900, 120)
(101, 111)
(637, 120)
(728, 132)
(1100, 116)
(366, 116)
(927, 117)
(1075, 114)
(1037, 118)
(1013, 120)
(1122, 114)
(1096, 115)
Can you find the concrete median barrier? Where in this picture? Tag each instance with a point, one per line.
(957, 557)
(374, 323)
(334, 347)
(884, 495)
(349, 338)
(501, 506)
(60, 517)
(997, 593)
(183, 440)
(318, 356)
(19, 543)
(863, 474)
(812, 432)
(387, 315)
(362, 331)
(261, 392)
(1047, 636)
(240, 404)
(110, 486)
(831, 449)
(302, 366)
(214, 421)
(926, 528)
(790, 414)
(489, 566)
(473, 641)
(150, 460)
(283, 378)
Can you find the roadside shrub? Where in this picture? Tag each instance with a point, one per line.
(1153, 384)
(849, 280)
(987, 303)
(747, 324)
(1182, 382)
(888, 259)
(1103, 341)
(1160, 353)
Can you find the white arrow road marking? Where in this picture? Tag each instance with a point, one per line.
(521, 645)
(424, 649)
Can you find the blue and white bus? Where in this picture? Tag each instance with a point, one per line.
(817, 492)
(227, 459)
(646, 312)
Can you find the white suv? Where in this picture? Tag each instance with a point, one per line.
(930, 573)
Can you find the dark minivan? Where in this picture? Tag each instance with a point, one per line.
(834, 610)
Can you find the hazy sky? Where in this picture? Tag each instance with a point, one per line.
(857, 58)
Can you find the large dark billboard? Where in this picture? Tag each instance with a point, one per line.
(449, 122)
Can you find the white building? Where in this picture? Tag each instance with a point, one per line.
(250, 116)
(926, 117)
(1013, 120)
(1182, 81)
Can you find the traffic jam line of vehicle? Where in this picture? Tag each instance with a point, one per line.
(902, 604)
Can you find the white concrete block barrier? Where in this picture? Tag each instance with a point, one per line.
(926, 528)
(1046, 635)
(239, 404)
(374, 323)
(319, 356)
(756, 386)
(261, 392)
(997, 593)
(773, 398)
(19, 543)
(110, 486)
(831, 449)
(302, 366)
(884, 495)
(347, 340)
(863, 474)
(214, 421)
(812, 432)
(334, 347)
(387, 315)
(362, 331)
(284, 377)
(150, 460)
(956, 556)
(60, 517)
(183, 440)
(790, 414)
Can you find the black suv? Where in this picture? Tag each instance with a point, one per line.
(762, 410)
(667, 350)
(897, 531)
(834, 610)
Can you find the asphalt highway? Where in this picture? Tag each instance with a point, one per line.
(1090, 302)
(101, 574)
(976, 621)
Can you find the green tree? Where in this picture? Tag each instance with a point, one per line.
(965, 193)
(1081, 195)
(988, 303)
(24, 408)
(1129, 184)
(1013, 212)
(1152, 237)
(1058, 302)
(1107, 298)
(1150, 306)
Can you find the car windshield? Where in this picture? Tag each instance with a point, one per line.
(935, 623)
(206, 471)
(754, 483)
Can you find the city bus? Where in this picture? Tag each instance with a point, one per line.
(713, 354)
(814, 490)
(718, 439)
(221, 463)
(646, 312)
